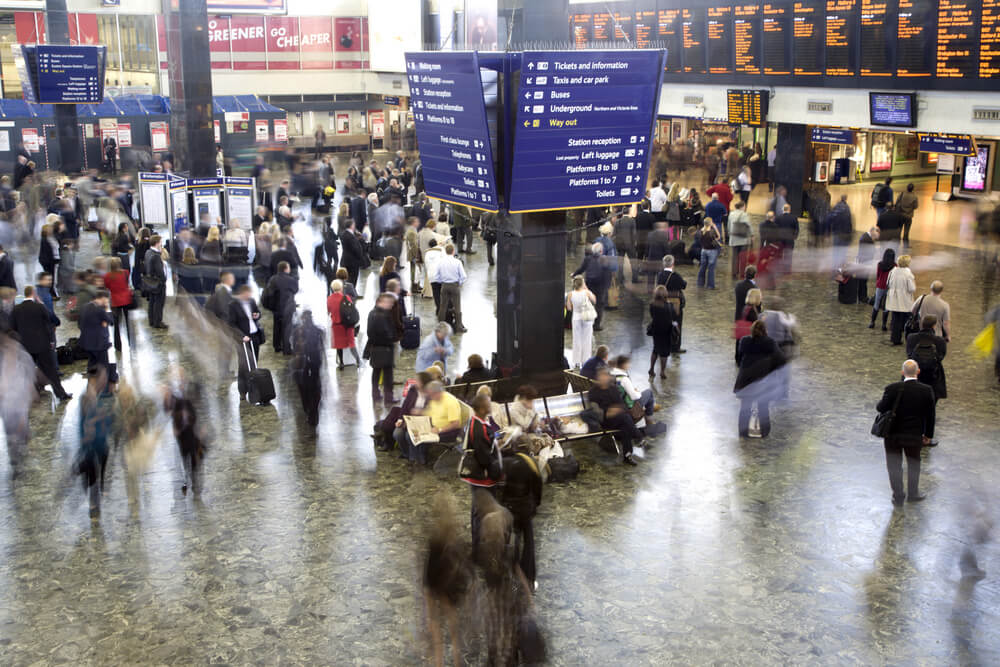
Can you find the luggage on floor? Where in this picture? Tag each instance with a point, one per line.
(563, 468)
(260, 384)
(847, 290)
(79, 354)
(679, 254)
(65, 355)
(411, 333)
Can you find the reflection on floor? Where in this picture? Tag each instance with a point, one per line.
(305, 551)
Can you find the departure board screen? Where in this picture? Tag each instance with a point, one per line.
(645, 29)
(720, 40)
(747, 38)
(747, 107)
(915, 57)
(603, 28)
(623, 27)
(989, 40)
(807, 37)
(876, 38)
(668, 27)
(777, 26)
(957, 39)
(580, 25)
(841, 36)
(893, 109)
(693, 27)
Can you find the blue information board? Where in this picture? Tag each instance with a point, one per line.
(832, 135)
(584, 128)
(68, 74)
(953, 144)
(446, 98)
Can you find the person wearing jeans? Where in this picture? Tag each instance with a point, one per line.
(709, 255)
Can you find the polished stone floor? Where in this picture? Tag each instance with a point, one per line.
(713, 551)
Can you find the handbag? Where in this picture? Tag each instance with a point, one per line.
(913, 324)
(588, 313)
(883, 422)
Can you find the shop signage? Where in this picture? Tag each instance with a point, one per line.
(29, 137)
(577, 143)
(952, 144)
(818, 106)
(832, 135)
(391, 100)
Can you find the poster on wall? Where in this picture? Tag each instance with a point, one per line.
(29, 137)
(976, 168)
(124, 135)
(218, 131)
(4, 140)
(882, 143)
(907, 148)
(219, 43)
(376, 119)
(343, 123)
(281, 129)
(481, 25)
(316, 42)
(248, 42)
(349, 42)
(159, 135)
(282, 42)
(260, 130)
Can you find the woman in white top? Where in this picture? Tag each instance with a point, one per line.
(899, 297)
(583, 320)
(745, 181)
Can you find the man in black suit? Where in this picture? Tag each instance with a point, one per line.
(742, 288)
(288, 254)
(95, 320)
(788, 232)
(245, 318)
(281, 291)
(675, 285)
(154, 282)
(911, 429)
(6, 270)
(36, 327)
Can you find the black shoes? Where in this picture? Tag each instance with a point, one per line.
(916, 498)
(871, 326)
(629, 461)
(932, 443)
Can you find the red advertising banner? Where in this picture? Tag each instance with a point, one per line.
(282, 42)
(280, 129)
(316, 42)
(218, 43)
(249, 44)
(161, 42)
(348, 42)
(29, 27)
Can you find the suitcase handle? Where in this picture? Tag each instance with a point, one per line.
(246, 352)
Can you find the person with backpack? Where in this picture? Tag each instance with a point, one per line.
(928, 350)
(344, 317)
(882, 196)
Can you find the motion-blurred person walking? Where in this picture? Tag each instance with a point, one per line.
(308, 345)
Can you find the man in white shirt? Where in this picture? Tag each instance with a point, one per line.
(450, 273)
(657, 200)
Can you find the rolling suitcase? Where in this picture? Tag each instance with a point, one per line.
(411, 330)
(260, 384)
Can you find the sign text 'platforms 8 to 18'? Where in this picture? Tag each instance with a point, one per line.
(446, 97)
(584, 128)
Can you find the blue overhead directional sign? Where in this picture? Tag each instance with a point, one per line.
(584, 128)
(832, 135)
(69, 74)
(446, 98)
(954, 144)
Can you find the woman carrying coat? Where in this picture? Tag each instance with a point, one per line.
(899, 297)
(342, 336)
(583, 320)
(757, 355)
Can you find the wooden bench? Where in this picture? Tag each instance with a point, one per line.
(570, 406)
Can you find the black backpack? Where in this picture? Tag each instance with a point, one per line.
(349, 316)
(926, 356)
(877, 195)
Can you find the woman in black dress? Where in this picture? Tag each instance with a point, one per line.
(661, 328)
(758, 356)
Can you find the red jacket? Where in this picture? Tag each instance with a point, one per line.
(116, 282)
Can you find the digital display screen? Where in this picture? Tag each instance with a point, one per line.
(807, 37)
(957, 39)
(720, 40)
(693, 31)
(989, 40)
(623, 27)
(603, 27)
(976, 169)
(893, 109)
(776, 29)
(747, 107)
(747, 38)
(915, 38)
(668, 28)
(841, 35)
(579, 26)
(645, 28)
(875, 38)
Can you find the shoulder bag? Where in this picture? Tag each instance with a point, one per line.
(913, 324)
(588, 313)
(884, 420)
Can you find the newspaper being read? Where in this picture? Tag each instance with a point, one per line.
(419, 429)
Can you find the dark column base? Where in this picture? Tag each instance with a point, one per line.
(790, 167)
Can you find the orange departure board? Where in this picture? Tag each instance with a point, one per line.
(841, 35)
(645, 28)
(915, 57)
(776, 26)
(747, 107)
(668, 28)
(580, 25)
(720, 40)
(623, 27)
(603, 27)
(876, 54)
(807, 37)
(957, 39)
(989, 40)
(693, 33)
(747, 38)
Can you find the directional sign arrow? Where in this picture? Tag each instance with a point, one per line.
(529, 80)
(527, 96)
(531, 65)
(527, 123)
(635, 191)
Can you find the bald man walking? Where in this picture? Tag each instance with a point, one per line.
(912, 428)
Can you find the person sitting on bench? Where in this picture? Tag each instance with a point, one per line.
(608, 412)
(445, 412)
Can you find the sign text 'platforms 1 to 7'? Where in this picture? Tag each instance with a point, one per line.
(584, 128)
(446, 97)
